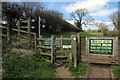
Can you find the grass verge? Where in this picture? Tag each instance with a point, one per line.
(116, 72)
(80, 70)
(90, 34)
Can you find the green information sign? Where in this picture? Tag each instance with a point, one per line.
(48, 43)
(101, 46)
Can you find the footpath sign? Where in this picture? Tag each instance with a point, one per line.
(103, 45)
(48, 42)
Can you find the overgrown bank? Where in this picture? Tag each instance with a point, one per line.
(18, 66)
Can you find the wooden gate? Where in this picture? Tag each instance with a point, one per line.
(54, 51)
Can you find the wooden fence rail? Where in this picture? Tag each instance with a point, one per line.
(22, 31)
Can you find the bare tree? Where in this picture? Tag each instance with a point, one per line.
(30, 7)
(81, 17)
(114, 18)
(102, 26)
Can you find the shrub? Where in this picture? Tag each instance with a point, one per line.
(112, 33)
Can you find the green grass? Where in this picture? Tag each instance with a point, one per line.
(90, 34)
(18, 66)
(80, 70)
(68, 35)
(86, 34)
(116, 72)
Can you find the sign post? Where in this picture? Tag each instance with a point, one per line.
(52, 49)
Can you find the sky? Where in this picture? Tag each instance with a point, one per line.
(98, 9)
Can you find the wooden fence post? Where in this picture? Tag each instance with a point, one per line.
(8, 32)
(75, 51)
(79, 47)
(29, 30)
(18, 28)
(52, 49)
(72, 46)
(61, 42)
(35, 39)
(118, 33)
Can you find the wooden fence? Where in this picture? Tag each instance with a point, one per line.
(19, 32)
(75, 40)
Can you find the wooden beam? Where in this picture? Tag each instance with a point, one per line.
(18, 28)
(24, 21)
(72, 46)
(118, 33)
(44, 47)
(61, 56)
(75, 51)
(61, 42)
(64, 38)
(29, 30)
(22, 31)
(4, 35)
(79, 47)
(43, 39)
(24, 37)
(35, 39)
(47, 60)
(47, 54)
(52, 49)
(8, 32)
(24, 27)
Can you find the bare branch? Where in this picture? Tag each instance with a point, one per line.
(80, 16)
(114, 18)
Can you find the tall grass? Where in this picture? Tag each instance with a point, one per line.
(18, 66)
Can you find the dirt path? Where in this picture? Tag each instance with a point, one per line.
(62, 72)
(99, 71)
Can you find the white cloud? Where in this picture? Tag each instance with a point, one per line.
(107, 23)
(71, 22)
(104, 13)
(91, 5)
(49, 0)
(95, 7)
(93, 26)
(92, 23)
